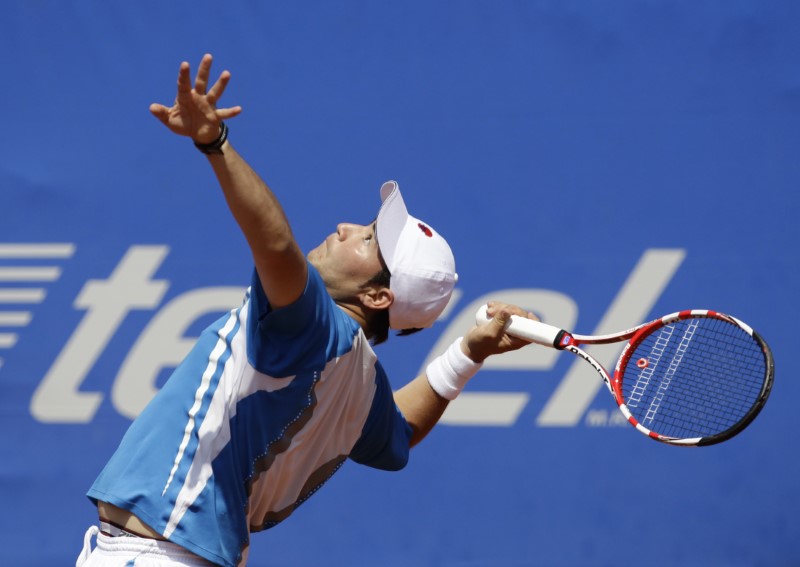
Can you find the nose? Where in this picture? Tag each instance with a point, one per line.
(344, 230)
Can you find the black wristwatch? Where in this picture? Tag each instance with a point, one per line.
(214, 147)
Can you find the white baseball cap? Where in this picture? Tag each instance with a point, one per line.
(420, 261)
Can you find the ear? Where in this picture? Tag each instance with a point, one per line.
(377, 298)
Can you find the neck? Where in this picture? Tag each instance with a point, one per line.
(356, 312)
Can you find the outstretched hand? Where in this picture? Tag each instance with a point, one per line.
(195, 113)
(483, 341)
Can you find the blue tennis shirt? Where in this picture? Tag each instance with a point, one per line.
(262, 412)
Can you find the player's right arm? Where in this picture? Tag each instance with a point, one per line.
(421, 405)
(280, 263)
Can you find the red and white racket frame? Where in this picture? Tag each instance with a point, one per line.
(548, 335)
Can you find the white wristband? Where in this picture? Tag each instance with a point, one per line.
(450, 372)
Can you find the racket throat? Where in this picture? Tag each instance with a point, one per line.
(563, 340)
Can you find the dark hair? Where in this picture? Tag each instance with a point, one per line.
(378, 320)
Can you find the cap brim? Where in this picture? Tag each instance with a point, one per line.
(391, 220)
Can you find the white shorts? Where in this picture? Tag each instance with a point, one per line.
(134, 551)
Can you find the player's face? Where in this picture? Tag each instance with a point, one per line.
(348, 258)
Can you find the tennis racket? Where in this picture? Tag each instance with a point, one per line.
(690, 378)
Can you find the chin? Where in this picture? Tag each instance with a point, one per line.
(313, 255)
(315, 259)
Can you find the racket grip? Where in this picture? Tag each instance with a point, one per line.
(528, 329)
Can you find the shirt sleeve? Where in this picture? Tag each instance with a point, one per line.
(385, 441)
(299, 337)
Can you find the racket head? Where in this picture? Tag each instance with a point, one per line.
(693, 378)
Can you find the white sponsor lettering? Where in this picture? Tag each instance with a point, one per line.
(163, 342)
(26, 283)
(58, 398)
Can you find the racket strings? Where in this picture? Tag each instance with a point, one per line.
(694, 378)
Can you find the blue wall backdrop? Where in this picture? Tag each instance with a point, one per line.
(600, 162)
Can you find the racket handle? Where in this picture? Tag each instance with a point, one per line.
(530, 330)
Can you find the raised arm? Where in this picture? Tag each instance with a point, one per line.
(279, 261)
(424, 399)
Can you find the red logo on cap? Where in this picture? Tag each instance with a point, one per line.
(425, 229)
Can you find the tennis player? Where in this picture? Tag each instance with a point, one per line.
(277, 394)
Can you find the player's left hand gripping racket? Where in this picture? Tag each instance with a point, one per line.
(690, 378)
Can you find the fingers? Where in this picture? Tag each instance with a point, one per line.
(194, 110)
(219, 87)
(203, 70)
(491, 338)
(501, 319)
(216, 92)
(225, 113)
(201, 79)
(160, 111)
(201, 85)
(184, 82)
(501, 314)
(496, 306)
